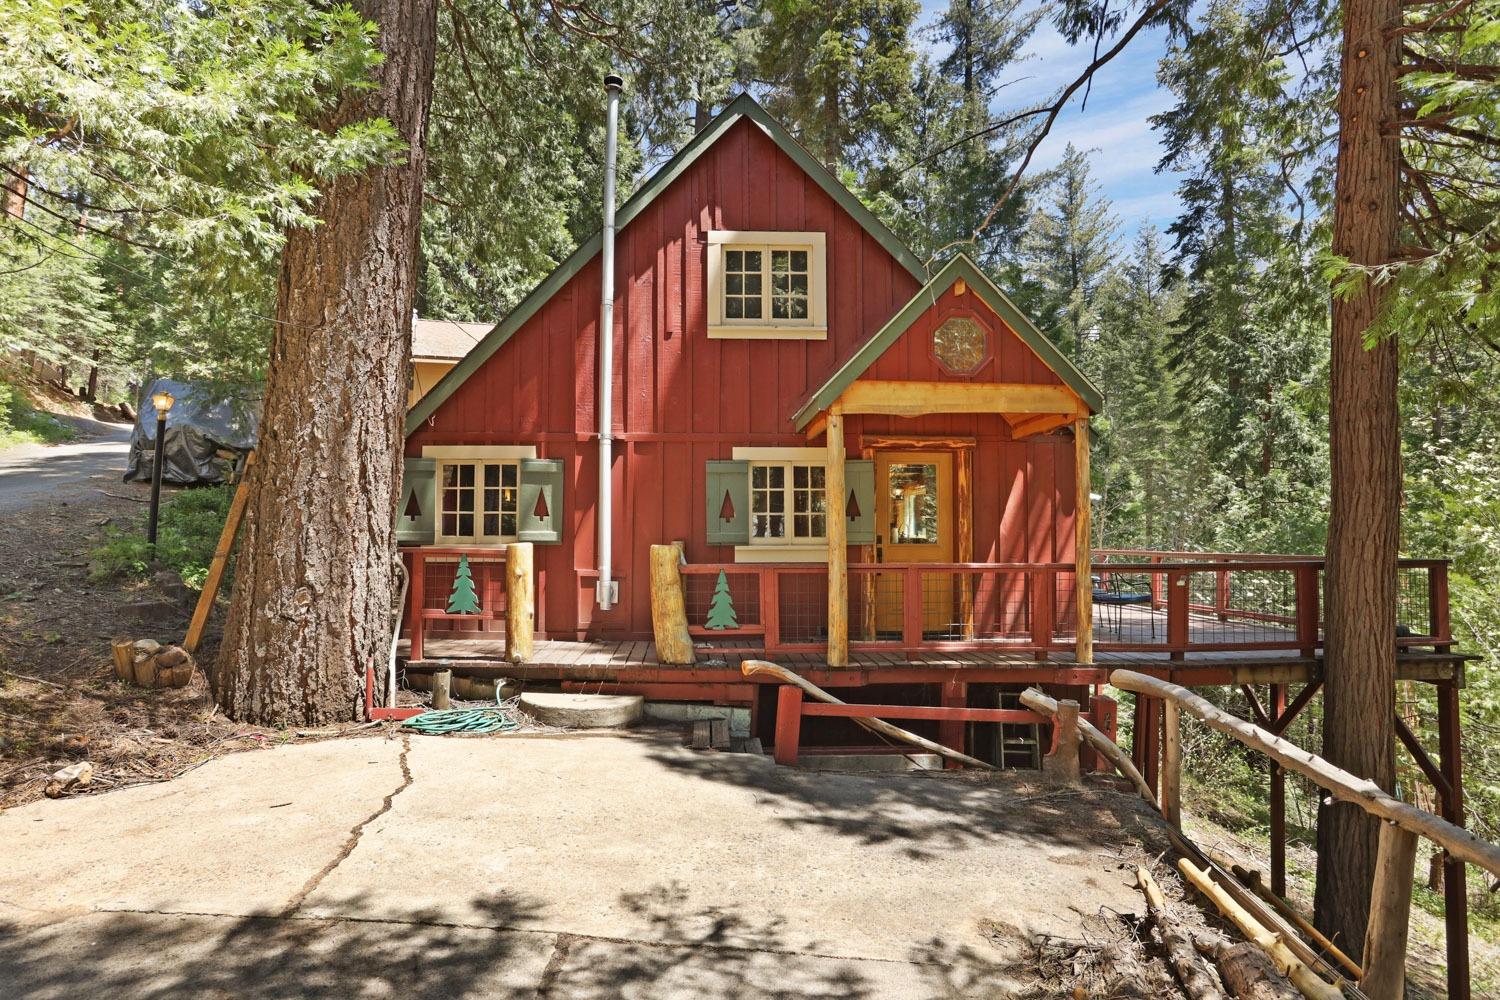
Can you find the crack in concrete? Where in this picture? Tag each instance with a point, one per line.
(560, 949)
(296, 902)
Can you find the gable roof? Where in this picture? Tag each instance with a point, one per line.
(959, 267)
(743, 106)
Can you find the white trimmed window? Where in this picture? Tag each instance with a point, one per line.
(767, 285)
(479, 501)
(478, 492)
(788, 503)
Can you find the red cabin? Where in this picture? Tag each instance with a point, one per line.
(755, 298)
(877, 475)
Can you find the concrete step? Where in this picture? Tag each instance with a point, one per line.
(584, 711)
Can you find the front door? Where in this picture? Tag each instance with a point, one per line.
(914, 524)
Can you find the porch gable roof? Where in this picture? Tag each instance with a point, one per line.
(743, 106)
(959, 268)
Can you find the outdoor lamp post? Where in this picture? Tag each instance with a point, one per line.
(163, 401)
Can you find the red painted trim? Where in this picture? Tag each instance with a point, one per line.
(929, 712)
(788, 724)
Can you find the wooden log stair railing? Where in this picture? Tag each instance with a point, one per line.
(1384, 966)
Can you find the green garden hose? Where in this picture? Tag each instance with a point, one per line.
(499, 718)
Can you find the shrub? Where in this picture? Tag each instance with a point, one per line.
(187, 532)
(22, 423)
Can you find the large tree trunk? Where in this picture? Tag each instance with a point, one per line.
(313, 589)
(1360, 662)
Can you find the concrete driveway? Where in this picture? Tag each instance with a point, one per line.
(560, 866)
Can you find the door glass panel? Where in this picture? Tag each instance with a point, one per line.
(913, 504)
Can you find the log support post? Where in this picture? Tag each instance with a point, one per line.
(669, 626)
(838, 545)
(964, 460)
(442, 681)
(1171, 764)
(1062, 764)
(520, 602)
(1082, 556)
(1390, 913)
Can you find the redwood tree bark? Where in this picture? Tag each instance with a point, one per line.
(1360, 651)
(313, 591)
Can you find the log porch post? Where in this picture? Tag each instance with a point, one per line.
(1082, 554)
(836, 492)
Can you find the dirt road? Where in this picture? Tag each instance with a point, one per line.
(31, 473)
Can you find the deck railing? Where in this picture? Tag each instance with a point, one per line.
(1145, 602)
(432, 571)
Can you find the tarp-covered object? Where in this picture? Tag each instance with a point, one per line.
(203, 421)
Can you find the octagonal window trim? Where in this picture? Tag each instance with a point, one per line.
(983, 354)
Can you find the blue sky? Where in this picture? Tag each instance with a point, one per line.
(1114, 124)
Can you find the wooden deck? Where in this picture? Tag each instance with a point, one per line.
(636, 662)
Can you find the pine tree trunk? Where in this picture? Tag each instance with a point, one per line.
(13, 191)
(313, 589)
(1360, 661)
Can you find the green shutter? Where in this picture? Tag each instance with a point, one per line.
(541, 500)
(859, 475)
(728, 493)
(414, 515)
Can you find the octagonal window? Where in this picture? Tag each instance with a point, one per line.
(959, 345)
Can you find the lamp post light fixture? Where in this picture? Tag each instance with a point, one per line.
(162, 400)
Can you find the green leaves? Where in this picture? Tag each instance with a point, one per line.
(180, 142)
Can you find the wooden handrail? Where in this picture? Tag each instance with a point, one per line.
(1458, 842)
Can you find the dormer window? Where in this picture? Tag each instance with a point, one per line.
(767, 285)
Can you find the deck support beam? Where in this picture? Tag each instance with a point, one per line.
(836, 492)
(1455, 873)
(1082, 554)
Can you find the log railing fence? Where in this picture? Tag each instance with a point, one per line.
(1386, 938)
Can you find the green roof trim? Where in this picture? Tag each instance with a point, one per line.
(743, 106)
(959, 267)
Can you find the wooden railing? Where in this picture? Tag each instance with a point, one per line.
(1144, 602)
(911, 607)
(502, 584)
(1384, 956)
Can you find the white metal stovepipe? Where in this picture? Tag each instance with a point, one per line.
(606, 591)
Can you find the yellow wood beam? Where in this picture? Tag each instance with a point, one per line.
(911, 399)
(818, 427)
(1082, 556)
(838, 533)
(1025, 425)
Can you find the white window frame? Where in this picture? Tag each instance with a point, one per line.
(789, 548)
(814, 327)
(477, 456)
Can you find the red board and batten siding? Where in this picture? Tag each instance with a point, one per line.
(683, 399)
